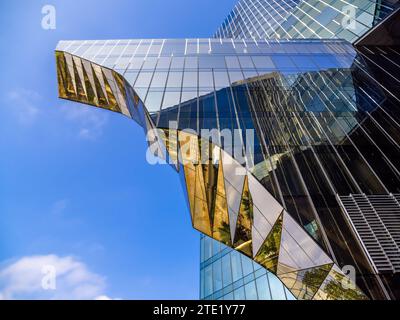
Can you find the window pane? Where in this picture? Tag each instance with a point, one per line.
(276, 287)
(163, 63)
(227, 271)
(250, 289)
(246, 63)
(304, 62)
(174, 79)
(221, 79)
(205, 79)
(239, 294)
(324, 62)
(190, 79)
(263, 288)
(207, 248)
(177, 63)
(143, 80)
(263, 62)
(289, 295)
(149, 64)
(228, 296)
(171, 98)
(236, 76)
(191, 63)
(131, 77)
(208, 281)
(209, 62)
(216, 247)
(232, 62)
(217, 275)
(283, 62)
(159, 80)
(153, 101)
(236, 266)
(247, 265)
(136, 63)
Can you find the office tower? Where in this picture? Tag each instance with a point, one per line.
(300, 166)
(296, 19)
(351, 20)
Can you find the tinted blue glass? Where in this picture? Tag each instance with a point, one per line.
(324, 61)
(304, 63)
(283, 62)
(277, 290)
(263, 288)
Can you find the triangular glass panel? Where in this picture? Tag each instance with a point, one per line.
(244, 222)
(298, 249)
(262, 226)
(80, 89)
(61, 75)
(221, 229)
(234, 173)
(263, 200)
(79, 73)
(88, 71)
(70, 68)
(336, 286)
(303, 284)
(99, 85)
(90, 91)
(232, 222)
(268, 254)
(112, 100)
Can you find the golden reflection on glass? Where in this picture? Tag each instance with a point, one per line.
(201, 217)
(80, 90)
(112, 101)
(268, 254)
(190, 179)
(99, 84)
(305, 283)
(188, 148)
(333, 288)
(171, 144)
(90, 93)
(221, 230)
(244, 222)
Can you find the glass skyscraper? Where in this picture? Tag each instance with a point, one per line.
(288, 149)
(291, 19)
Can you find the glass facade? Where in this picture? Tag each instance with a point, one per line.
(269, 137)
(225, 274)
(291, 19)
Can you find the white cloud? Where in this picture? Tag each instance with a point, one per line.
(91, 121)
(24, 105)
(24, 279)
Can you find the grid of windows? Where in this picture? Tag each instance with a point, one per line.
(291, 19)
(226, 274)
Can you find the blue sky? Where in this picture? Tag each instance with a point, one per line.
(76, 191)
